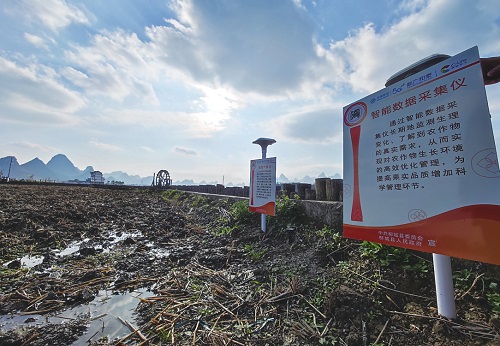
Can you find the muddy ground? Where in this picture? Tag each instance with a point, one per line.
(211, 277)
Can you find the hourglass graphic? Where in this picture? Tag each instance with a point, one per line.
(353, 116)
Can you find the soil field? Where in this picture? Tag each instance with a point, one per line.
(188, 270)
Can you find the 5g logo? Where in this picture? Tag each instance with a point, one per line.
(397, 90)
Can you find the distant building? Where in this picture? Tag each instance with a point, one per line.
(96, 177)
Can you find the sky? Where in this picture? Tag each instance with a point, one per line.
(187, 86)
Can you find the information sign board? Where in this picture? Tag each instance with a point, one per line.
(263, 186)
(420, 165)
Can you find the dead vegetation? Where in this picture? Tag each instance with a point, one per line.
(213, 278)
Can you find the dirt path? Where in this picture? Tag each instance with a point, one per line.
(207, 276)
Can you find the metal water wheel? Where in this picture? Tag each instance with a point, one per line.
(163, 179)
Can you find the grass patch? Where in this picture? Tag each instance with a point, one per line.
(255, 254)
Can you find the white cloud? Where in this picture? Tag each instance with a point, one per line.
(78, 78)
(25, 150)
(413, 5)
(217, 69)
(147, 149)
(184, 124)
(103, 146)
(314, 125)
(33, 147)
(114, 65)
(147, 118)
(233, 46)
(231, 50)
(443, 26)
(54, 14)
(230, 61)
(37, 41)
(33, 95)
(185, 151)
(200, 125)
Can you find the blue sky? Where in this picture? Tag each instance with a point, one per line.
(187, 86)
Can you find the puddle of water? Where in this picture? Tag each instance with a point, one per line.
(159, 253)
(9, 322)
(125, 235)
(104, 312)
(109, 308)
(71, 249)
(29, 261)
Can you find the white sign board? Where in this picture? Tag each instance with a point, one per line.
(263, 186)
(420, 165)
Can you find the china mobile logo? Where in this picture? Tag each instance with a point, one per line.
(453, 66)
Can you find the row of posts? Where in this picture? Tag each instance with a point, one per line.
(323, 189)
(218, 189)
(329, 189)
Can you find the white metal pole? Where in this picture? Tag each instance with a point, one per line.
(263, 225)
(444, 286)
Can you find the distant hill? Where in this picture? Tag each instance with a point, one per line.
(9, 163)
(307, 180)
(60, 168)
(184, 182)
(127, 179)
(39, 170)
(282, 179)
(85, 173)
(63, 166)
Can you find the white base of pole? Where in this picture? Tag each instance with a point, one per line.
(444, 286)
(263, 222)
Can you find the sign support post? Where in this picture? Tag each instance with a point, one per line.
(445, 294)
(264, 143)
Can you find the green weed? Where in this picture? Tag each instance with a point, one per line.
(388, 255)
(240, 213)
(174, 197)
(330, 238)
(462, 278)
(255, 254)
(288, 213)
(225, 230)
(493, 298)
(235, 219)
(328, 340)
(198, 201)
